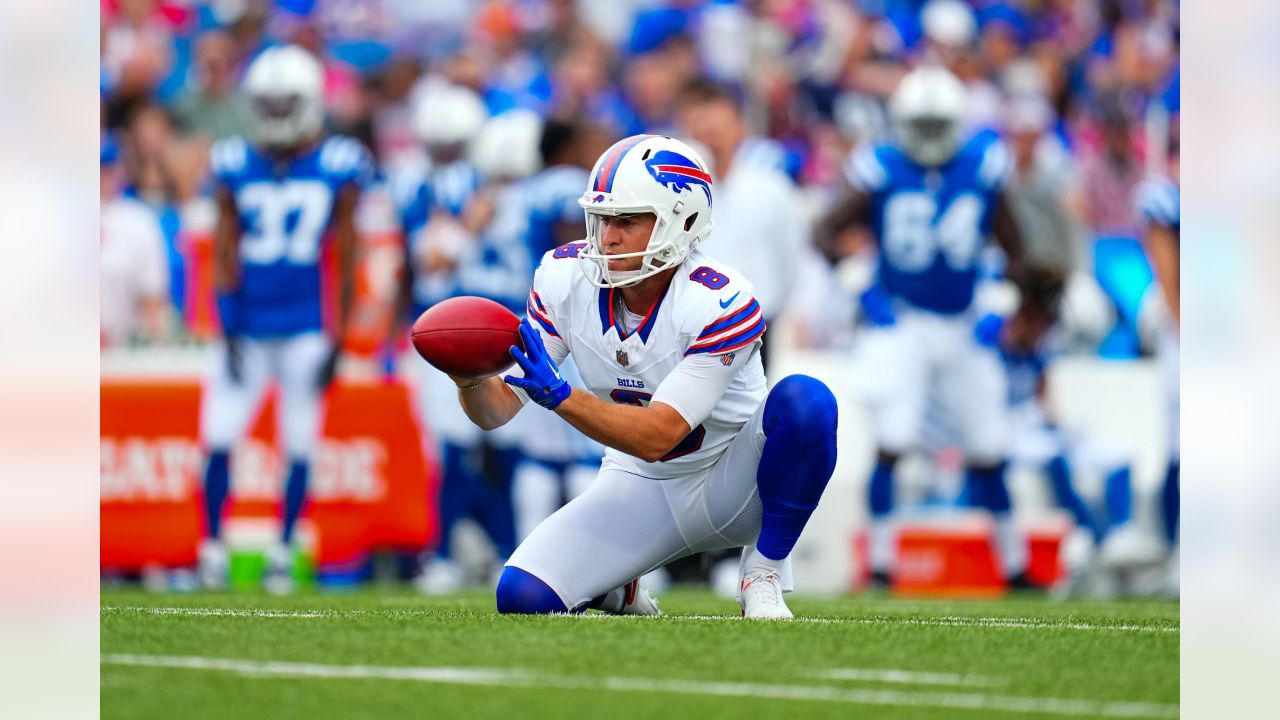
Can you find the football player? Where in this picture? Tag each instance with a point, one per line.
(279, 193)
(1159, 207)
(930, 199)
(567, 149)
(439, 206)
(1028, 344)
(558, 462)
(701, 454)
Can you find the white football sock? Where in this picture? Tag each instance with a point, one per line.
(1010, 545)
(881, 548)
(757, 561)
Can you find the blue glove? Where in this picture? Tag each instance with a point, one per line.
(541, 381)
(987, 330)
(877, 306)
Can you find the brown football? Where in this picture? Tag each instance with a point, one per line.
(467, 336)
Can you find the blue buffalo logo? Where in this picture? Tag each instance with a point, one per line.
(598, 198)
(678, 172)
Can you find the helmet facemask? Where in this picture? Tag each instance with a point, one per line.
(930, 140)
(283, 120)
(661, 253)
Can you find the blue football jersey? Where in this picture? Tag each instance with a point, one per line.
(498, 265)
(1158, 201)
(285, 207)
(1024, 371)
(552, 197)
(421, 193)
(931, 224)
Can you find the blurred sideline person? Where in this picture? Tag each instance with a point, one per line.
(279, 194)
(441, 211)
(497, 266)
(558, 462)
(701, 454)
(930, 200)
(1159, 207)
(567, 149)
(134, 266)
(760, 219)
(1105, 545)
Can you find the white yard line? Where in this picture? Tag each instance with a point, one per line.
(500, 677)
(950, 621)
(907, 677)
(217, 612)
(959, 621)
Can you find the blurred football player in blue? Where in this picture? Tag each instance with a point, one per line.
(1159, 201)
(280, 193)
(930, 199)
(441, 212)
(557, 461)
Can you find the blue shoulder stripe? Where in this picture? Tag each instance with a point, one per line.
(728, 322)
(733, 342)
(547, 326)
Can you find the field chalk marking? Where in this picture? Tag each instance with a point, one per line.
(521, 678)
(907, 677)
(958, 621)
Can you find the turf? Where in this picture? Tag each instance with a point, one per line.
(393, 654)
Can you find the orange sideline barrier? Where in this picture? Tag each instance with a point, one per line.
(949, 560)
(371, 485)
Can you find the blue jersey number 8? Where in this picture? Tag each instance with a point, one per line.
(283, 221)
(914, 234)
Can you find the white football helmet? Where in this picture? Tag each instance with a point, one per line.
(448, 115)
(507, 146)
(927, 112)
(647, 174)
(285, 88)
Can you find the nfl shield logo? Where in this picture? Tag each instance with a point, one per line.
(727, 359)
(622, 358)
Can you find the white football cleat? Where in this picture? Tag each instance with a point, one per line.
(630, 599)
(278, 579)
(440, 577)
(762, 596)
(1076, 559)
(1128, 548)
(214, 564)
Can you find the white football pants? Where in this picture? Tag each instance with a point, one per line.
(625, 525)
(227, 407)
(932, 362)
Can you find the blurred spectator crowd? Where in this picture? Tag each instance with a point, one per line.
(1082, 91)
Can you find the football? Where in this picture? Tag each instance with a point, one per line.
(467, 336)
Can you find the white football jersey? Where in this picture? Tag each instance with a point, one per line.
(709, 308)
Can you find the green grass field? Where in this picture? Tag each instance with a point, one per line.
(393, 654)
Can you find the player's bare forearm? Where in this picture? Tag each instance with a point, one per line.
(1009, 236)
(489, 403)
(345, 244)
(832, 232)
(1162, 246)
(226, 238)
(647, 433)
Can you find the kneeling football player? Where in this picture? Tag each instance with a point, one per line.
(701, 454)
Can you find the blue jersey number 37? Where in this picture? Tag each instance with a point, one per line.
(283, 221)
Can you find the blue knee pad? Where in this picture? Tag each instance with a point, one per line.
(804, 407)
(797, 461)
(522, 593)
